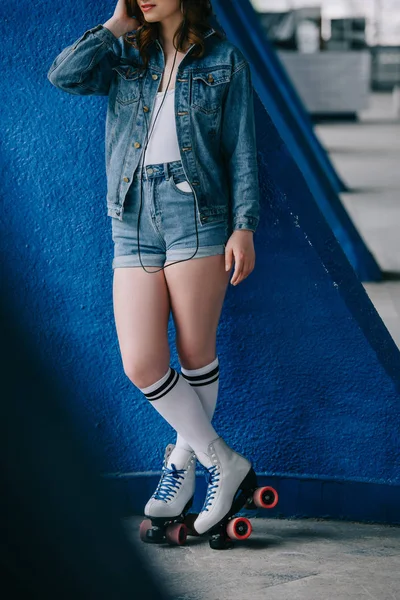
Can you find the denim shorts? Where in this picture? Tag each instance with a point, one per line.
(167, 228)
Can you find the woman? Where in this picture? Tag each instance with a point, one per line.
(182, 193)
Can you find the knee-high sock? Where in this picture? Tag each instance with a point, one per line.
(205, 382)
(175, 399)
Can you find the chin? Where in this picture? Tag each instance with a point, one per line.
(151, 18)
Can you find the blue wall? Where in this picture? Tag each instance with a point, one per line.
(309, 376)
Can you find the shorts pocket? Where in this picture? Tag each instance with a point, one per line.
(180, 179)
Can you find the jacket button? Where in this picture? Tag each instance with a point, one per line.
(146, 108)
(210, 78)
(137, 145)
(154, 76)
(126, 179)
(204, 219)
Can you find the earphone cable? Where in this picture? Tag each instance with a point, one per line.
(141, 165)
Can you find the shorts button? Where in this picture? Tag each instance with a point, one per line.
(146, 108)
(137, 145)
(154, 76)
(150, 171)
(126, 179)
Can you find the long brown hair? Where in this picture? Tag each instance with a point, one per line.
(197, 15)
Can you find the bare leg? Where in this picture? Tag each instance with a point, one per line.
(197, 290)
(141, 311)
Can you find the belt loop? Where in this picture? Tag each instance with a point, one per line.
(166, 171)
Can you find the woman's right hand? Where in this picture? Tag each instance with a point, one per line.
(121, 23)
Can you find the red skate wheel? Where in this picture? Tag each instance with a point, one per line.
(239, 528)
(265, 497)
(189, 522)
(176, 534)
(144, 528)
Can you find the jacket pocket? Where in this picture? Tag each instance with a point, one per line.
(208, 88)
(128, 83)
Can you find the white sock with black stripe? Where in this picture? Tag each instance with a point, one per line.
(177, 402)
(205, 382)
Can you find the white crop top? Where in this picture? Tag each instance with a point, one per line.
(163, 141)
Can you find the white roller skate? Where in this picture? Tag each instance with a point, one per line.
(167, 508)
(229, 479)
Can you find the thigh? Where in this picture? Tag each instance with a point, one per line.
(197, 290)
(141, 311)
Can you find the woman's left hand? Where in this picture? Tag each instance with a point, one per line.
(240, 247)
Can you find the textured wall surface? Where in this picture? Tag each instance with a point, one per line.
(309, 376)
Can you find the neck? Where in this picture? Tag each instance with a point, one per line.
(166, 32)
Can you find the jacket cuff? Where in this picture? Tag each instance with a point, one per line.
(245, 223)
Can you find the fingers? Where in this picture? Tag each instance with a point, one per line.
(239, 266)
(228, 258)
(243, 268)
(241, 250)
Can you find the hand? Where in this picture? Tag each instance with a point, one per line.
(240, 246)
(121, 23)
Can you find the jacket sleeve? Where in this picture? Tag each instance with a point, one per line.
(239, 149)
(85, 67)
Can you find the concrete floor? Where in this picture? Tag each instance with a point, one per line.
(316, 559)
(303, 559)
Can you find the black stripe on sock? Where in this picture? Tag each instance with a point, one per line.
(201, 378)
(165, 387)
(204, 382)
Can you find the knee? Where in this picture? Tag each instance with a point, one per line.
(144, 374)
(196, 358)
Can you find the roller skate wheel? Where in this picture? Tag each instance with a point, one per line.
(176, 534)
(265, 497)
(239, 528)
(144, 528)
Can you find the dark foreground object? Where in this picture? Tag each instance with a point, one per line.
(61, 532)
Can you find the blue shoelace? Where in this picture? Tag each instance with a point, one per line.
(212, 476)
(169, 482)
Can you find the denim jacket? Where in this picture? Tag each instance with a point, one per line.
(214, 115)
